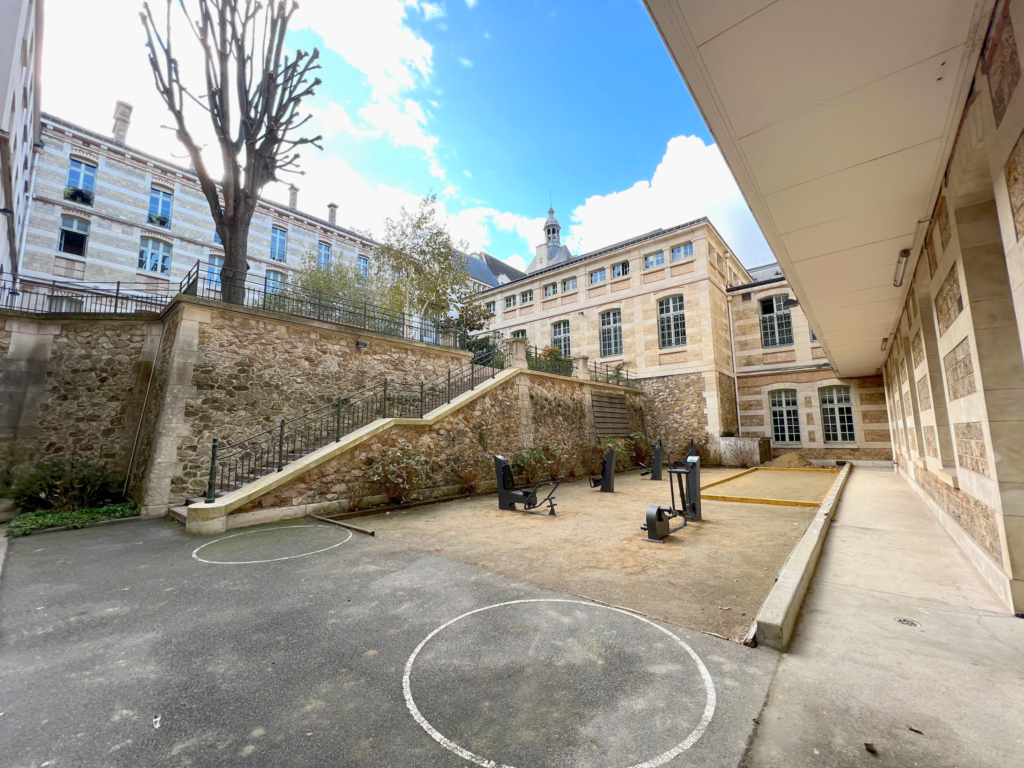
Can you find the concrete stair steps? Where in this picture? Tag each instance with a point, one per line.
(178, 513)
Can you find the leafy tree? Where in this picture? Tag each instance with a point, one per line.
(252, 93)
(342, 280)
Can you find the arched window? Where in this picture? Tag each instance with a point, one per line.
(671, 322)
(611, 333)
(837, 414)
(155, 256)
(785, 416)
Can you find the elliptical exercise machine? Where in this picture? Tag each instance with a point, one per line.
(687, 477)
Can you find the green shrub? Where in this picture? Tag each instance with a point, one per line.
(561, 462)
(623, 456)
(29, 522)
(639, 448)
(531, 464)
(64, 486)
(398, 471)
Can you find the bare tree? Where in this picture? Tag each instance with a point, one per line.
(252, 93)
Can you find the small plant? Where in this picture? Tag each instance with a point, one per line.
(469, 471)
(623, 457)
(65, 486)
(531, 464)
(30, 522)
(639, 448)
(561, 461)
(397, 471)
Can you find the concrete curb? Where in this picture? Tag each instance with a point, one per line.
(777, 618)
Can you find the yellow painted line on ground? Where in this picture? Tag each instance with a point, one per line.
(798, 469)
(727, 479)
(752, 500)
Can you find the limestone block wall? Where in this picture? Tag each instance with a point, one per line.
(462, 445)
(73, 388)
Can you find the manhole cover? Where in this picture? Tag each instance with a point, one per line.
(908, 622)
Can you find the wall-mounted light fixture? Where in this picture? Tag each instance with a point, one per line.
(901, 268)
(361, 344)
(790, 303)
(885, 341)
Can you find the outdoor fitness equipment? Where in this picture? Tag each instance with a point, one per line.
(508, 496)
(606, 480)
(687, 477)
(655, 469)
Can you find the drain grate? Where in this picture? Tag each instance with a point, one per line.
(907, 622)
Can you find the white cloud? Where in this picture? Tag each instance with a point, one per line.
(691, 181)
(465, 62)
(471, 3)
(467, 174)
(517, 261)
(432, 11)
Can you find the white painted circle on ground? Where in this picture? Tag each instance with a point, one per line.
(664, 757)
(195, 554)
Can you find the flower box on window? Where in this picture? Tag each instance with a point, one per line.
(78, 195)
(159, 220)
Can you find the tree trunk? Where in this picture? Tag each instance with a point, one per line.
(236, 266)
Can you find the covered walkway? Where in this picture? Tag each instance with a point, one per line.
(946, 692)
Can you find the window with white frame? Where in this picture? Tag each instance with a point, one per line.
(527, 296)
(160, 207)
(363, 265)
(510, 301)
(785, 416)
(323, 254)
(214, 264)
(489, 307)
(671, 322)
(837, 414)
(276, 281)
(560, 337)
(611, 333)
(569, 284)
(655, 259)
(598, 276)
(620, 270)
(74, 236)
(519, 334)
(776, 325)
(82, 176)
(155, 256)
(551, 289)
(278, 244)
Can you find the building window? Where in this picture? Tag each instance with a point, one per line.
(814, 337)
(611, 333)
(64, 304)
(560, 338)
(569, 284)
(68, 268)
(837, 414)
(155, 256)
(785, 416)
(776, 326)
(74, 234)
(275, 281)
(489, 307)
(214, 264)
(620, 270)
(216, 236)
(598, 276)
(527, 296)
(81, 186)
(684, 251)
(279, 244)
(510, 301)
(363, 265)
(550, 290)
(159, 208)
(323, 254)
(520, 334)
(671, 322)
(652, 260)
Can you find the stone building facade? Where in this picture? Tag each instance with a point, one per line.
(103, 212)
(655, 305)
(786, 387)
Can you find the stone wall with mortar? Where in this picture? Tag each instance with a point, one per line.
(675, 408)
(72, 389)
(461, 446)
(727, 407)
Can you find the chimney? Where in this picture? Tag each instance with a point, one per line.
(293, 196)
(122, 119)
(332, 213)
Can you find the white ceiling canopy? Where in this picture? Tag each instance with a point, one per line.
(837, 119)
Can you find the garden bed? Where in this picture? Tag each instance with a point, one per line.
(46, 521)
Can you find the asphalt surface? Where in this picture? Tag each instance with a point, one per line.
(301, 661)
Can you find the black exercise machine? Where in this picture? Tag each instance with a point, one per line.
(606, 480)
(655, 469)
(508, 496)
(687, 477)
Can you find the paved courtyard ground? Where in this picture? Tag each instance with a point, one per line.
(364, 653)
(712, 575)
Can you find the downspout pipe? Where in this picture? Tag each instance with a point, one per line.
(735, 373)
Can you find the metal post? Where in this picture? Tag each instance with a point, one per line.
(280, 448)
(472, 375)
(422, 401)
(366, 318)
(266, 285)
(337, 420)
(449, 385)
(211, 491)
(385, 397)
(117, 296)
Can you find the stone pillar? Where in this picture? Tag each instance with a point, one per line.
(581, 367)
(935, 421)
(518, 352)
(526, 433)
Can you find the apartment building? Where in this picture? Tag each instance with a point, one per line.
(20, 51)
(103, 211)
(655, 304)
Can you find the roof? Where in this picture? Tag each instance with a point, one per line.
(764, 272)
(499, 267)
(479, 271)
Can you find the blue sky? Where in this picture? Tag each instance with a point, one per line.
(489, 103)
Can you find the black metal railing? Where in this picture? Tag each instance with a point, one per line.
(83, 297)
(612, 373)
(243, 461)
(549, 360)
